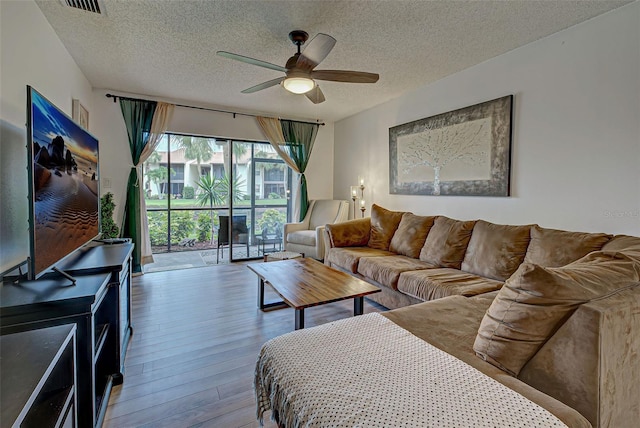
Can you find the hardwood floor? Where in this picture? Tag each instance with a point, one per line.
(197, 335)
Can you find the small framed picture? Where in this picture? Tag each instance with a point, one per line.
(80, 114)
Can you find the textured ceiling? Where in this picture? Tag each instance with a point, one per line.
(166, 49)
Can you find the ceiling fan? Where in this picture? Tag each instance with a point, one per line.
(300, 75)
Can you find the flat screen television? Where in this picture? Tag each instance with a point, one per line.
(64, 202)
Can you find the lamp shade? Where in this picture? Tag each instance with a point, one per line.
(298, 85)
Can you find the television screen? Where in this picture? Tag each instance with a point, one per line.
(64, 194)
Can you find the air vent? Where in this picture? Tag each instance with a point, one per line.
(86, 5)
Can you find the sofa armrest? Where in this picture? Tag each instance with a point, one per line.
(352, 233)
(321, 249)
(294, 227)
(590, 363)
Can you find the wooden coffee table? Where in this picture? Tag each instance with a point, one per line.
(305, 282)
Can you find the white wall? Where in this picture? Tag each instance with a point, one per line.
(576, 141)
(31, 54)
(116, 161)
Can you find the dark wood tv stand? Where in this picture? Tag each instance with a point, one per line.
(100, 306)
(38, 383)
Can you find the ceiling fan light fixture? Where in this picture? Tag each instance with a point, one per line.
(298, 85)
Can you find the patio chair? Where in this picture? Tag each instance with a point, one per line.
(239, 233)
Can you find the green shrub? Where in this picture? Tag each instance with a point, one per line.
(271, 220)
(273, 195)
(157, 227)
(182, 225)
(188, 192)
(204, 225)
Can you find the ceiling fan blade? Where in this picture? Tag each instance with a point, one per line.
(252, 61)
(317, 50)
(263, 85)
(345, 76)
(315, 95)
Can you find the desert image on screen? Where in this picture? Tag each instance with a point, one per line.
(65, 184)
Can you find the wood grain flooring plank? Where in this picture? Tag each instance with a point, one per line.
(204, 413)
(197, 335)
(138, 412)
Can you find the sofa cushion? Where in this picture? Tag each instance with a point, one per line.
(347, 257)
(411, 233)
(302, 237)
(554, 248)
(437, 283)
(629, 245)
(447, 242)
(622, 243)
(352, 233)
(383, 225)
(495, 250)
(536, 300)
(387, 270)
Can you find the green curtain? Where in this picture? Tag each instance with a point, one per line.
(299, 138)
(138, 116)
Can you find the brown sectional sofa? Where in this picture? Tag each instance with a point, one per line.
(553, 314)
(419, 258)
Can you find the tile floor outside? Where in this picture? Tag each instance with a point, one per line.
(199, 258)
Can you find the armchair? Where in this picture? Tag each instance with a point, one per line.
(307, 236)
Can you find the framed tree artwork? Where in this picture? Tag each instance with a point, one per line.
(465, 152)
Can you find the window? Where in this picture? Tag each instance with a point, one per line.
(277, 188)
(178, 168)
(274, 174)
(218, 170)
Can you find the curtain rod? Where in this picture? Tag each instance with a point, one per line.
(207, 109)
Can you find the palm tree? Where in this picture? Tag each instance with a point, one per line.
(239, 150)
(238, 184)
(215, 191)
(195, 148)
(160, 174)
(153, 158)
(212, 192)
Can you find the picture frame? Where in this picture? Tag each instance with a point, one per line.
(79, 114)
(464, 152)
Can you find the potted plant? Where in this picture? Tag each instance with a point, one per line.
(108, 226)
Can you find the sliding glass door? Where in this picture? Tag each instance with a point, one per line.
(260, 203)
(227, 199)
(183, 192)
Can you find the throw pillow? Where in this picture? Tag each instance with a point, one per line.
(495, 251)
(353, 233)
(411, 234)
(623, 243)
(537, 300)
(383, 225)
(553, 248)
(447, 242)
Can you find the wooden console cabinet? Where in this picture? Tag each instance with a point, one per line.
(99, 305)
(38, 384)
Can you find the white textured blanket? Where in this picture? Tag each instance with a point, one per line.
(367, 371)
